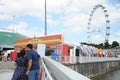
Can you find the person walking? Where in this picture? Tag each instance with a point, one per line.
(33, 63)
(21, 66)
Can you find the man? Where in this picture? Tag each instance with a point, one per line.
(54, 55)
(33, 63)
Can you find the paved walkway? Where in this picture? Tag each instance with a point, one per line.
(6, 74)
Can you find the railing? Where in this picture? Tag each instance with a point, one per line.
(53, 70)
(45, 73)
(74, 59)
(97, 59)
(61, 72)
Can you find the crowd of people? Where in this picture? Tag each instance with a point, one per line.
(4, 56)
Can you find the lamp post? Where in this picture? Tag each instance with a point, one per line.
(45, 18)
(13, 23)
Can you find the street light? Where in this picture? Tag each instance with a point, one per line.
(45, 18)
(13, 23)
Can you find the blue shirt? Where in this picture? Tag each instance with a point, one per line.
(31, 54)
(54, 54)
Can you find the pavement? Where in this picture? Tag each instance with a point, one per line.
(6, 74)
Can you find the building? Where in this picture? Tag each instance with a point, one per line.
(51, 41)
(7, 40)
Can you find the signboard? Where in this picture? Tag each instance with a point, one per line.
(41, 49)
(52, 39)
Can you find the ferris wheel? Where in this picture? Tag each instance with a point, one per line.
(107, 21)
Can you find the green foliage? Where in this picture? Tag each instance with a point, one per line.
(104, 45)
(114, 44)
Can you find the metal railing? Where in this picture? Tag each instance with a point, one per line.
(60, 72)
(74, 59)
(97, 59)
(45, 73)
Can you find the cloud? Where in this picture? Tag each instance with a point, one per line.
(51, 22)
(75, 22)
(72, 15)
(22, 28)
(23, 7)
(5, 17)
(98, 38)
(36, 7)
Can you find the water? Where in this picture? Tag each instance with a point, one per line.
(114, 75)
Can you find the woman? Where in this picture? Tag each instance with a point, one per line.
(21, 66)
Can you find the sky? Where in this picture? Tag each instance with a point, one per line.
(66, 17)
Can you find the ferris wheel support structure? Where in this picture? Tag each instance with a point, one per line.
(107, 33)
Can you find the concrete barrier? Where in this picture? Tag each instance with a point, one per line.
(61, 72)
(93, 69)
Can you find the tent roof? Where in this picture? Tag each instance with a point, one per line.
(7, 38)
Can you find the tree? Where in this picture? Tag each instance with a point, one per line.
(83, 43)
(106, 45)
(114, 44)
(101, 45)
